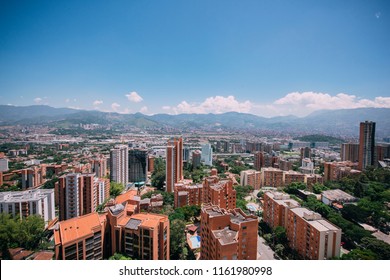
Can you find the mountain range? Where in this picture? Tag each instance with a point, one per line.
(344, 122)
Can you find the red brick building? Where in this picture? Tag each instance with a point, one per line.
(228, 234)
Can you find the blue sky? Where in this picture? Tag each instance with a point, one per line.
(262, 57)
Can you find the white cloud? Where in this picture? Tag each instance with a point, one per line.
(97, 102)
(144, 109)
(295, 103)
(134, 97)
(217, 105)
(301, 104)
(115, 106)
(38, 100)
(67, 100)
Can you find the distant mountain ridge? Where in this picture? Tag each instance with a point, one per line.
(332, 122)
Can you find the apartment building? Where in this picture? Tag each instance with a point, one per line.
(271, 177)
(80, 238)
(219, 192)
(188, 194)
(174, 163)
(31, 202)
(251, 178)
(311, 236)
(228, 234)
(142, 236)
(275, 208)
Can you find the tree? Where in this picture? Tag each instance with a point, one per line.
(360, 254)
(158, 179)
(178, 240)
(279, 249)
(27, 233)
(118, 256)
(280, 235)
(116, 189)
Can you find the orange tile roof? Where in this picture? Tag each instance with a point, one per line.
(125, 197)
(78, 228)
(43, 256)
(149, 220)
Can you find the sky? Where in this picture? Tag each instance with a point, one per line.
(264, 57)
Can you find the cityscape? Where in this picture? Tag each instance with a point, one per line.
(195, 130)
(99, 195)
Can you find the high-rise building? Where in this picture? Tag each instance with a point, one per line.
(174, 163)
(188, 194)
(311, 236)
(228, 235)
(258, 160)
(251, 177)
(207, 154)
(138, 165)
(196, 157)
(99, 167)
(80, 238)
(103, 189)
(349, 152)
(305, 153)
(31, 202)
(150, 164)
(219, 192)
(78, 195)
(119, 164)
(142, 236)
(366, 145)
(4, 164)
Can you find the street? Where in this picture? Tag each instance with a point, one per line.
(264, 252)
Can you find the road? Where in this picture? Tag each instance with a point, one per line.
(264, 252)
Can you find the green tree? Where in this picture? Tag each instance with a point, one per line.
(178, 243)
(118, 256)
(116, 189)
(360, 254)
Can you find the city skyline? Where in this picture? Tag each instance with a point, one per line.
(263, 58)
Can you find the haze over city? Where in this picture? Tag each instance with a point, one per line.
(267, 58)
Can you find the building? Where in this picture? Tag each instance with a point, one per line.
(305, 153)
(291, 176)
(119, 164)
(78, 195)
(80, 238)
(311, 236)
(142, 236)
(188, 195)
(271, 177)
(251, 178)
(336, 196)
(219, 192)
(33, 177)
(334, 171)
(196, 158)
(207, 155)
(228, 235)
(99, 167)
(285, 165)
(31, 202)
(275, 207)
(138, 165)
(103, 189)
(174, 163)
(312, 179)
(4, 164)
(366, 145)
(150, 164)
(349, 152)
(307, 166)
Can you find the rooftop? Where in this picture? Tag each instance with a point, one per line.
(77, 228)
(21, 196)
(338, 195)
(225, 236)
